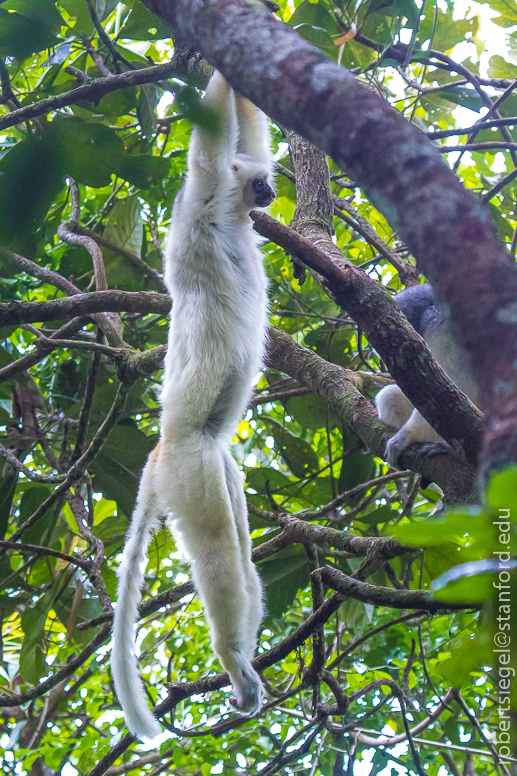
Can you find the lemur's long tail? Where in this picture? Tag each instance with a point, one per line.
(124, 664)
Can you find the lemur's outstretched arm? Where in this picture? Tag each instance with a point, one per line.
(217, 329)
(213, 147)
(253, 137)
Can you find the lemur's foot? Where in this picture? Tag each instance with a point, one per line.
(400, 441)
(248, 689)
(430, 449)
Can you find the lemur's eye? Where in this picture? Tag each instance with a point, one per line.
(258, 185)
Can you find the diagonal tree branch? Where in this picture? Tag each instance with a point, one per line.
(331, 381)
(385, 596)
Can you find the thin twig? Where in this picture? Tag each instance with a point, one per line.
(439, 134)
(85, 409)
(112, 324)
(76, 471)
(141, 265)
(37, 549)
(20, 467)
(43, 687)
(92, 91)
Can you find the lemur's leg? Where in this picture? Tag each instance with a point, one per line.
(253, 583)
(393, 407)
(416, 429)
(200, 503)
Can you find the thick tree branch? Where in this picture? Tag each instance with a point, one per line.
(331, 381)
(14, 313)
(405, 353)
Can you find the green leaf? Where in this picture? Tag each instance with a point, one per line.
(31, 174)
(316, 35)
(125, 226)
(512, 46)
(462, 95)
(449, 31)
(144, 170)
(500, 68)
(5, 357)
(142, 24)
(454, 527)
(79, 13)
(8, 482)
(34, 618)
(296, 452)
(118, 466)
(104, 8)
(469, 582)
(92, 152)
(507, 10)
(31, 500)
(189, 102)
(377, 516)
(31, 27)
(146, 108)
(118, 103)
(283, 575)
(340, 347)
(356, 468)
(32, 660)
(8, 605)
(405, 8)
(32, 655)
(502, 491)
(503, 225)
(311, 411)
(70, 382)
(116, 525)
(261, 479)
(308, 13)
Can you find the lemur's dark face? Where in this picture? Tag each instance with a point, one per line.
(262, 192)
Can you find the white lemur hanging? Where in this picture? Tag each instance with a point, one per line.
(218, 285)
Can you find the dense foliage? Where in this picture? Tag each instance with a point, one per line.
(87, 181)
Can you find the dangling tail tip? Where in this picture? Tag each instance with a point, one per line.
(145, 729)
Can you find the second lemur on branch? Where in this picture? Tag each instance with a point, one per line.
(218, 285)
(419, 305)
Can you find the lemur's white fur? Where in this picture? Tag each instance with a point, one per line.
(218, 285)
